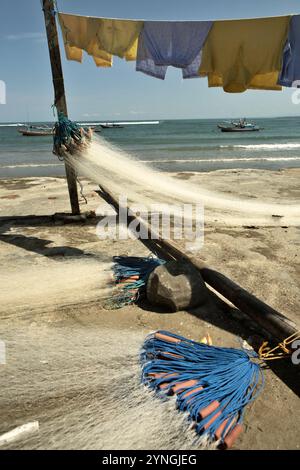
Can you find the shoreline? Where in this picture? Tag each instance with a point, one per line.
(62, 176)
(158, 119)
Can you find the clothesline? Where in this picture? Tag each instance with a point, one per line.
(257, 53)
(178, 21)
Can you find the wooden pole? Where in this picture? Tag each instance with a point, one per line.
(276, 324)
(59, 91)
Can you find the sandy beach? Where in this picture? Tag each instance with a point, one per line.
(149, 164)
(73, 365)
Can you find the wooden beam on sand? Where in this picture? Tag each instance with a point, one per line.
(59, 91)
(279, 326)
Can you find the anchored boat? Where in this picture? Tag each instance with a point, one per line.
(111, 126)
(36, 131)
(238, 126)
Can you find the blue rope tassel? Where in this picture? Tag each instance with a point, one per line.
(68, 136)
(131, 274)
(226, 379)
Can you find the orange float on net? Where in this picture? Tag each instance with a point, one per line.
(212, 419)
(197, 389)
(182, 385)
(163, 337)
(219, 431)
(172, 354)
(209, 409)
(161, 374)
(232, 436)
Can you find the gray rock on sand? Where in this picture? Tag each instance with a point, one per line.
(176, 285)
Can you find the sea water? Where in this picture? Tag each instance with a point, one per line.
(171, 145)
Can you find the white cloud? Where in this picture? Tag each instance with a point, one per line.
(25, 36)
(136, 112)
(91, 115)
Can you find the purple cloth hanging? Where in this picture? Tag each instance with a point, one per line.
(176, 43)
(290, 72)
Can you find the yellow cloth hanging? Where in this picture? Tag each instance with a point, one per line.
(242, 54)
(99, 37)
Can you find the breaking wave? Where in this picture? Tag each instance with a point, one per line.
(224, 160)
(31, 165)
(287, 146)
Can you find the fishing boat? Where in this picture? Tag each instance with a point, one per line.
(36, 131)
(111, 126)
(238, 126)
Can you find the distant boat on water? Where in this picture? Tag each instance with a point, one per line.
(111, 126)
(36, 131)
(39, 130)
(238, 126)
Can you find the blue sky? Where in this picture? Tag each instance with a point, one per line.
(121, 93)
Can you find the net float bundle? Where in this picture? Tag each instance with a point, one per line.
(212, 384)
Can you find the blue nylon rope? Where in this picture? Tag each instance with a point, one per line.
(65, 130)
(124, 268)
(229, 376)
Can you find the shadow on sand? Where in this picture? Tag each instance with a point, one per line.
(216, 312)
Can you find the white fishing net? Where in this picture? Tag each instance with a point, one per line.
(83, 386)
(108, 165)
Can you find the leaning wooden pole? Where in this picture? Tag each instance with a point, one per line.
(276, 324)
(59, 91)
